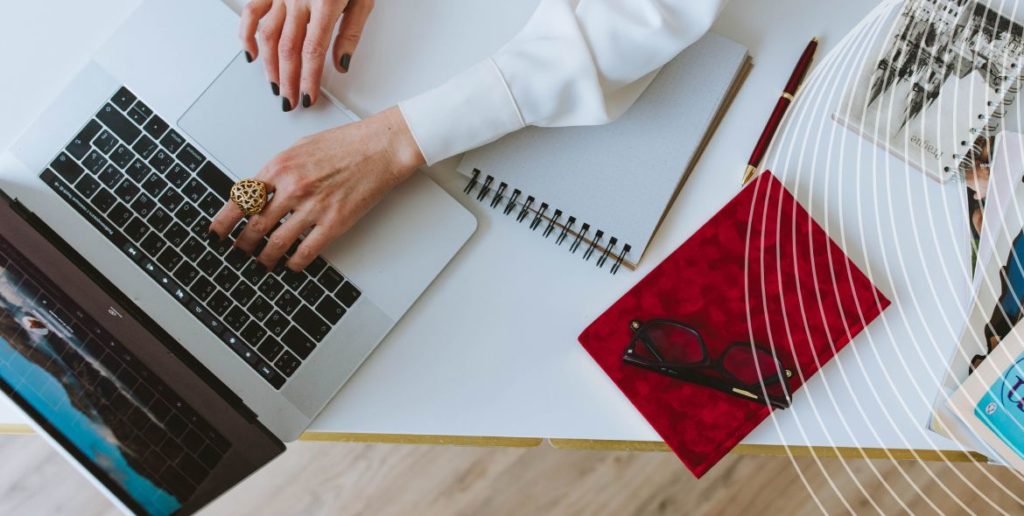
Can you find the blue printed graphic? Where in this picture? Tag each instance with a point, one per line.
(1001, 409)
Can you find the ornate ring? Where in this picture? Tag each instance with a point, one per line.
(250, 195)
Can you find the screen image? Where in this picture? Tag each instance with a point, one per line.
(92, 395)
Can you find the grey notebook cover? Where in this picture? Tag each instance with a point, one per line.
(621, 177)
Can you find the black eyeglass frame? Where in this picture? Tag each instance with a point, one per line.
(755, 392)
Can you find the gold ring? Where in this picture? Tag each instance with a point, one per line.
(250, 195)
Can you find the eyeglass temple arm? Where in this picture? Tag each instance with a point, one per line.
(716, 384)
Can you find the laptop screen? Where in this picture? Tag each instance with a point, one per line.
(94, 397)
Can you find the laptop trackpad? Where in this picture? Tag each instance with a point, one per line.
(240, 123)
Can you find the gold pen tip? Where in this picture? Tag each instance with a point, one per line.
(814, 39)
(748, 174)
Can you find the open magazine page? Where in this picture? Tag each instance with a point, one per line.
(991, 402)
(998, 282)
(938, 78)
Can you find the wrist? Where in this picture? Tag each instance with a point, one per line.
(398, 140)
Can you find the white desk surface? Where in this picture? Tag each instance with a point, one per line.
(491, 349)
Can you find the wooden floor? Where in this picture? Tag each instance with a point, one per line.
(386, 479)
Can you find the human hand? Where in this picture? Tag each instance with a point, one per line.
(294, 36)
(324, 183)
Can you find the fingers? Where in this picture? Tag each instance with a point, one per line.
(251, 15)
(283, 237)
(260, 225)
(314, 50)
(289, 53)
(310, 247)
(356, 14)
(226, 220)
(269, 35)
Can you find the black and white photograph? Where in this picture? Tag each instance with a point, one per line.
(938, 86)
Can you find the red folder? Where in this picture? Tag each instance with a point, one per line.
(762, 271)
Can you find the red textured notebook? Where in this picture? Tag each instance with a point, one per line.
(760, 271)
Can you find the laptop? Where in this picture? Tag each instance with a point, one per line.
(169, 365)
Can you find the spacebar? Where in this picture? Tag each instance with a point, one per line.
(79, 204)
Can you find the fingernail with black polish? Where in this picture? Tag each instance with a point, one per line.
(346, 59)
(248, 57)
(286, 106)
(275, 88)
(306, 100)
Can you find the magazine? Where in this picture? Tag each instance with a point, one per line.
(991, 402)
(998, 286)
(936, 84)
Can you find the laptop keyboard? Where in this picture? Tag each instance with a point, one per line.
(153, 195)
(174, 444)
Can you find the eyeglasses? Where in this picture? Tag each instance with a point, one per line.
(743, 370)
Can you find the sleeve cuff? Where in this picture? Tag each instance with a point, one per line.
(470, 110)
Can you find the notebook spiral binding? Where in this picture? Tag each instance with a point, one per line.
(512, 201)
(992, 121)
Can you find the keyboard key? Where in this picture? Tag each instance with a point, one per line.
(87, 186)
(253, 333)
(137, 115)
(193, 250)
(171, 199)
(316, 267)
(143, 206)
(330, 309)
(155, 127)
(190, 466)
(105, 142)
(260, 308)
(153, 244)
(127, 190)
(220, 303)
(172, 141)
(311, 323)
(294, 280)
(270, 348)
(136, 229)
(311, 292)
(240, 348)
(271, 287)
(287, 302)
(236, 258)
(209, 263)
(215, 179)
(145, 147)
(287, 363)
(103, 201)
(201, 228)
(120, 214)
(118, 124)
(194, 190)
(154, 185)
(254, 272)
(144, 109)
(138, 170)
(191, 157)
(211, 205)
(243, 292)
(209, 456)
(226, 278)
(348, 294)
(94, 161)
(298, 342)
(185, 274)
(121, 156)
(67, 168)
(161, 162)
(176, 234)
(110, 176)
(159, 220)
(123, 98)
(178, 175)
(277, 323)
(236, 318)
(203, 288)
(330, 279)
(169, 259)
(270, 375)
(79, 146)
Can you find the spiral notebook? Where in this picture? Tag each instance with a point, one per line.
(601, 191)
(934, 90)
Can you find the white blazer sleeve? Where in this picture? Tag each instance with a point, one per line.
(568, 66)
